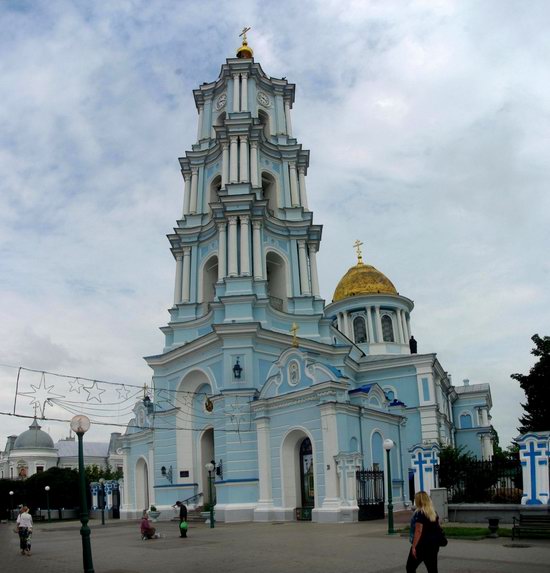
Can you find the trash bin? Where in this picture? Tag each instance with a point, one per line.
(493, 527)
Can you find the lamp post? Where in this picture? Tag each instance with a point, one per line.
(47, 489)
(80, 425)
(11, 504)
(102, 489)
(210, 468)
(388, 445)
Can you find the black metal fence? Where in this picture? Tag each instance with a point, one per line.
(494, 481)
(370, 494)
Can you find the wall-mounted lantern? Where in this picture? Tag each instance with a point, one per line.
(237, 369)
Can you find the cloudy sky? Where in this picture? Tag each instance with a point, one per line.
(429, 129)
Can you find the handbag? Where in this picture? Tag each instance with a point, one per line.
(183, 526)
(441, 538)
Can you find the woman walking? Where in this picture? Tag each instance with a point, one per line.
(425, 535)
(24, 529)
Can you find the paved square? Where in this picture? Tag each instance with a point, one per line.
(247, 548)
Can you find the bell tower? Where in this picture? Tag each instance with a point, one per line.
(245, 246)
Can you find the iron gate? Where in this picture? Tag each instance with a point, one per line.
(370, 494)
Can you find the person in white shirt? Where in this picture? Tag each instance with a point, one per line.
(24, 528)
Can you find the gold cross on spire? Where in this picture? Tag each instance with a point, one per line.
(243, 34)
(294, 329)
(357, 246)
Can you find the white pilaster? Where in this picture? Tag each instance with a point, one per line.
(484, 417)
(199, 125)
(346, 324)
(222, 251)
(186, 193)
(303, 194)
(245, 245)
(408, 320)
(194, 189)
(379, 335)
(287, 117)
(294, 196)
(225, 164)
(233, 160)
(313, 269)
(369, 323)
(329, 432)
(302, 261)
(243, 172)
(236, 102)
(400, 332)
(257, 248)
(264, 462)
(177, 286)
(254, 179)
(232, 250)
(186, 278)
(244, 91)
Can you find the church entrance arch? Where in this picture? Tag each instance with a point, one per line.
(297, 470)
(206, 455)
(142, 484)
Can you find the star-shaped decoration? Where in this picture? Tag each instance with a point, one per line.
(75, 385)
(123, 392)
(94, 392)
(41, 395)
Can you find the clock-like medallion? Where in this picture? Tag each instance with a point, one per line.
(263, 99)
(221, 101)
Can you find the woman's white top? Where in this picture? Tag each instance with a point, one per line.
(24, 520)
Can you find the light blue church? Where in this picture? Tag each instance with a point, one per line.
(292, 399)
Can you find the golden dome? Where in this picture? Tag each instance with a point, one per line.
(363, 279)
(245, 51)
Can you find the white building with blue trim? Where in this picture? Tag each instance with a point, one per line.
(287, 395)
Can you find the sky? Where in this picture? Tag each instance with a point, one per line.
(428, 124)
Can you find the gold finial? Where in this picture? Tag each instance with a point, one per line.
(357, 246)
(245, 51)
(145, 391)
(294, 329)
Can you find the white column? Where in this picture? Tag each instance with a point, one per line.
(404, 324)
(287, 117)
(302, 260)
(177, 286)
(222, 250)
(346, 325)
(245, 242)
(186, 279)
(408, 320)
(369, 324)
(236, 102)
(225, 164)
(257, 247)
(186, 193)
(313, 269)
(303, 194)
(294, 196)
(329, 432)
(244, 91)
(484, 417)
(254, 164)
(264, 463)
(194, 189)
(243, 172)
(233, 271)
(400, 331)
(233, 160)
(379, 335)
(339, 321)
(199, 126)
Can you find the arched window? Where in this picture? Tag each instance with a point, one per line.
(215, 187)
(390, 395)
(359, 330)
(465, 421)
(387, 329)
(269, 191)
(220, 120)
(377, 451)
(209, 279)
(276, 280)
(264, 121)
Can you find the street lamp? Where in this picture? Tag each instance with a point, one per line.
(47, 489)
(80, 425)
(102, 488)
(210, 469)
(11, 504)
(388, 445)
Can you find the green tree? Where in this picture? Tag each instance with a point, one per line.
(536, 386)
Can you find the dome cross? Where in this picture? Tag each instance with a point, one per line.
(357, 245)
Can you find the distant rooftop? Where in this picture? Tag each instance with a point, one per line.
(472, 388)
(69, 449)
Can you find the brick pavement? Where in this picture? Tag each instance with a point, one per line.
(246, 548)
